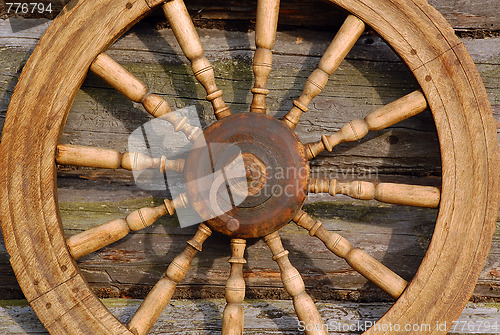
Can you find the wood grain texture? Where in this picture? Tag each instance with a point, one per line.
(98, 237)
(359, 260)
(464, 14)
(86, 156)
(131, 267)
(126, 83)
(383, 117)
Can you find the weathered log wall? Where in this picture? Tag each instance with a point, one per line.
(370, 77)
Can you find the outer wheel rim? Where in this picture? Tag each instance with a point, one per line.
(469, 161)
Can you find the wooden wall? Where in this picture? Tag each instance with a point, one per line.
(462, 14)
(370, 77)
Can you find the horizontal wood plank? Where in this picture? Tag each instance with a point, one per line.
(269, 317)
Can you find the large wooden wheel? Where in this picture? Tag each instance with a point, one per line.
(44, 259)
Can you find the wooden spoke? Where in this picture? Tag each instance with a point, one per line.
(185, 33)
(91, 240)
(338, 49)
(399, 194)
(360, 261)
(119, 78)
(232, 321)
(385, 116)
(265, 36)
(126, 83)
(294, 285)
(157, 299)
(79, 155)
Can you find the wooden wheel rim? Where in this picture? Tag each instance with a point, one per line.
(48, 275)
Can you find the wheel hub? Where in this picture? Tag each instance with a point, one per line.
(247, 176)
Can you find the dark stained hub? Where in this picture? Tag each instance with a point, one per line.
(247, 176)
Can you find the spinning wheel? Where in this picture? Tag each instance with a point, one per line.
(44, 259)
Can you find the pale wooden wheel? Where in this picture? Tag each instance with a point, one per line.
(44, 260)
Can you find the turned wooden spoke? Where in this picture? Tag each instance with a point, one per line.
(338, 49)
(126, 83)
(232, 321)
(159, 296)
(79, 155)
(294, 285)
(98, 237)
(399, 194)
(388, 115)
(185, 33)
(265, 36)
(360, 261)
